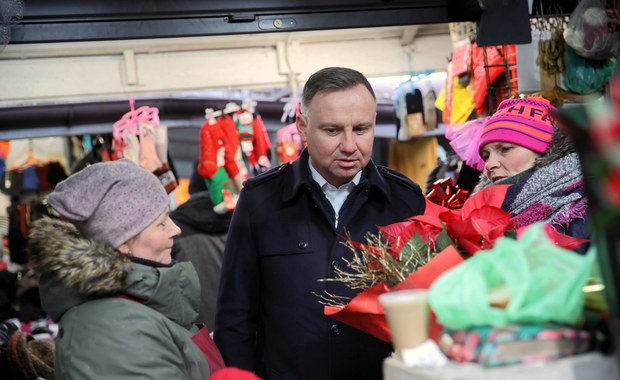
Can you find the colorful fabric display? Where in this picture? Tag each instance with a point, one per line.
(208, 151)
(254, 145)
(233, 159)
(219, 147)
(456, 101)
(5, 203)
(37, 151)
(149, 159)
(289, 143)
(33, 178)
(461, 59)
(262, 145)
(415, 113)
(513, 344)
(487, 70)
(150, 150)
(31, 181)
(163, 172)
(220, 161)
(464, 138)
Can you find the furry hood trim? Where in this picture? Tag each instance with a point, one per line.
(89, 268)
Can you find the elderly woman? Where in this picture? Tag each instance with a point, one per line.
(124, 308)
(521, 146)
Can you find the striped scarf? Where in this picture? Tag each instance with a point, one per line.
(553, 193)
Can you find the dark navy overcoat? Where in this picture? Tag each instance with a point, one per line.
(282, 241)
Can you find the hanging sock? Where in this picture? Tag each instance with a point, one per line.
(165, 175)
(148, 149)
(131, 147)
(245, 129)
(230, 201)
(149, 158)
(262, 145)
(233, 158)
(161, 143)
(219, 189)
(207, 153)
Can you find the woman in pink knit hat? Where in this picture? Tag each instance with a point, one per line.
(521, 146)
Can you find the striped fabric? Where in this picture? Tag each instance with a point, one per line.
(525, 122)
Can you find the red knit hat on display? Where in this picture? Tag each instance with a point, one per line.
(525, 122)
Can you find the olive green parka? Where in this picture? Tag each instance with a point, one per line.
(146, 335)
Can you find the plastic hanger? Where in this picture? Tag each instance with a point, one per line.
(148, 114)
(249, 105)
(290, 110)
(211, 115)
(130, 122)
(126, 123)
(231, 107)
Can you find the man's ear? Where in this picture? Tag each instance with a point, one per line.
(301, 126)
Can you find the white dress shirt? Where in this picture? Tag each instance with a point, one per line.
(335, 195)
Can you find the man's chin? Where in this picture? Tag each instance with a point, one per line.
(346, 176)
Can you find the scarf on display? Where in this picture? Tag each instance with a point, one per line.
(553, 193)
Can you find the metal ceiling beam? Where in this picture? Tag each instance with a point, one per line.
(98, 117)
(94, 20)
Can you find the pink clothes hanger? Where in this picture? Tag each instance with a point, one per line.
(127, 123)
(130, 122)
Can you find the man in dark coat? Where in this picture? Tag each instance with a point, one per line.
(287, 232)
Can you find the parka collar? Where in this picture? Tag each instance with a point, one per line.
(74, 269)
(173, 291)
(301, 177)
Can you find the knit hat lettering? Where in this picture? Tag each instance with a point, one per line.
(525, 122)
(530, 112)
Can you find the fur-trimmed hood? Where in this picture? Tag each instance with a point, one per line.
(74, 269)
(83, 267)
(91, 268)
(561, 146)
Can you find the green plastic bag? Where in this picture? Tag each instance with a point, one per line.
(539, 281)
(585, 76)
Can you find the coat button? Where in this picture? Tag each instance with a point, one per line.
(335, 330)
(303, 244)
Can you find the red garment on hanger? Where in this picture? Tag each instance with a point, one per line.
(262, 145)
(221, 139)
(499, 59)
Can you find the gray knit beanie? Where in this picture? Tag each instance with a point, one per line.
(110, 202)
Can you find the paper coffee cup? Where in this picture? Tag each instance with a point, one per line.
(406, 312)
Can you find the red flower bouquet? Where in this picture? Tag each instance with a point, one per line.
(415, 252)
(412, 254)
